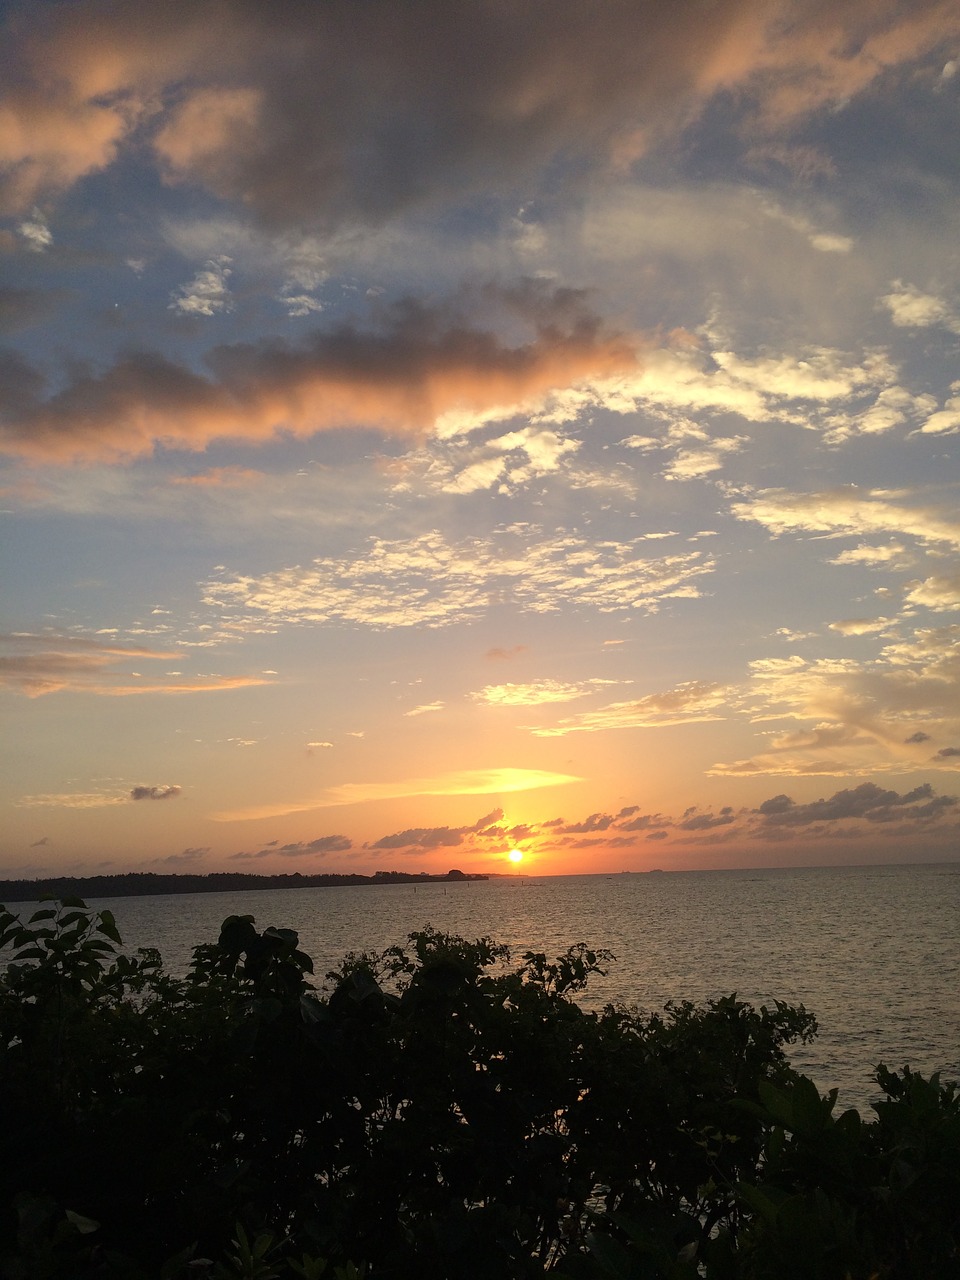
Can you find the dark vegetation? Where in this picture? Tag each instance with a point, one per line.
(138, 884)
(436, 1114)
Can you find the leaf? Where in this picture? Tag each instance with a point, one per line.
(32, 953)
(108, 926)
(266, 1008)
(47, 914)
(86, 1226)
(72, 917)
(313, 1011)
(610, 1254)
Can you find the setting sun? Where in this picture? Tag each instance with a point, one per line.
(515, 855)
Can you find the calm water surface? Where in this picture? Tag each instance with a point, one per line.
(874, 952)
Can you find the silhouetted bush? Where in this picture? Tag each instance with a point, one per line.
(440, 1115)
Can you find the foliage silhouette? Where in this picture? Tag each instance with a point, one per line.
(440, 1113)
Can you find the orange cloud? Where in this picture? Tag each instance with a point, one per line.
(399, 380)
(221, 478)
(39, 664)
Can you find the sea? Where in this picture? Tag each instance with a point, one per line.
(873, 952)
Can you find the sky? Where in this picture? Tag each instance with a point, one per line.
(433, 430)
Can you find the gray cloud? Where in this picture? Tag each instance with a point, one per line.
(301, 849)
(707, 821)
(21, 308)
(163, 792)
(484, 828)
(867, 801)
(363, 111)
(186, 857)
(321, 845)
(595, 822)
(422, 838)
(488, 819)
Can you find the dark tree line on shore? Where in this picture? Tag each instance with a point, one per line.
(435, 1112)
(135, 884)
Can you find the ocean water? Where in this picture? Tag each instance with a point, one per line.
(874, 952)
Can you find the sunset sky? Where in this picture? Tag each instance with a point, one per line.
(431, 429)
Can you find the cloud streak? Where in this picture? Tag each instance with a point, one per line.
(465, 782)
(36, 665)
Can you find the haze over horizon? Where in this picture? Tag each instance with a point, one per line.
(430, 431)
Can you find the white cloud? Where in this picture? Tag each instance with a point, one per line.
(894, 553)
(946, 420)
(693, 702)
(695, 464)
(427, 581)
(938, 592)
(35, 232)
(861, 626)
(911, 308)
(857, 718)
(537, 692)
(824, 242)
(207, 294)
(846, 512)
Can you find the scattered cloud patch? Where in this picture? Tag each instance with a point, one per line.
(73, 800)
(536, 692)
(688, 703)
(189, 857)
(867, 801)
(428, 581)
(207, 294)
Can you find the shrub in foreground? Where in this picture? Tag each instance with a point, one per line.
(438, 1114)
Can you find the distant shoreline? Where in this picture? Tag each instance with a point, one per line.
(138, 884)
